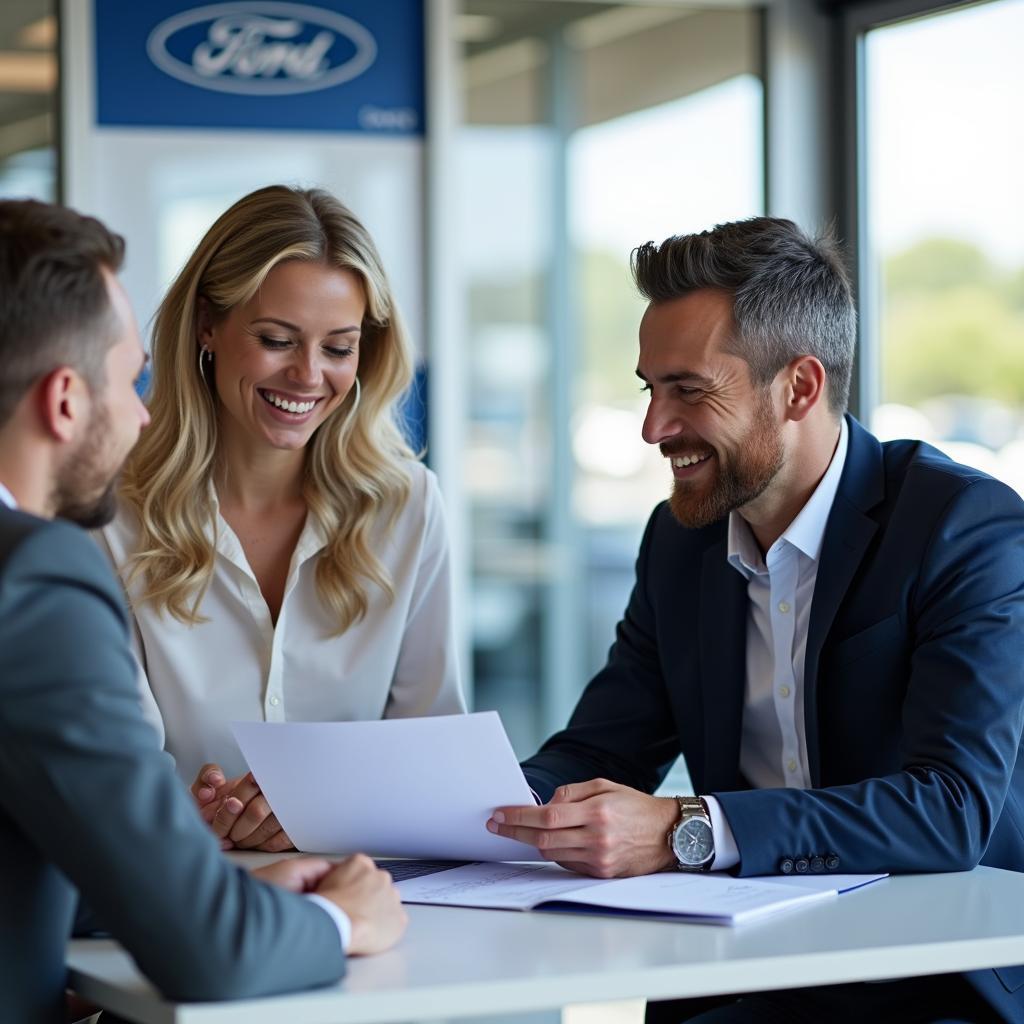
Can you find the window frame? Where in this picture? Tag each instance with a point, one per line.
(856, 21)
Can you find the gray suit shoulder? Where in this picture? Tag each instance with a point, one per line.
(53, 552)
(29, 542)
(91, 802)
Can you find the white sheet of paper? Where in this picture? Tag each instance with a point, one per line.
(718, 898)
(494, 886)
(821, 882)
(404, 787)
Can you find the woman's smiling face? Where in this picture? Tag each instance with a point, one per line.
(287, 358)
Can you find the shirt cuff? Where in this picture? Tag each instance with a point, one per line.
(337, 915)
(727, 854)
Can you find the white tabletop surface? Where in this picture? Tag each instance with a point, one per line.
(457, 963)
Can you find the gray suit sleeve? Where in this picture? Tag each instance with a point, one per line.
(83, 777)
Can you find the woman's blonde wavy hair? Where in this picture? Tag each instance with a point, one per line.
(354, 461)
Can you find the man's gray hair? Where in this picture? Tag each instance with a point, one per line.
(791, 294)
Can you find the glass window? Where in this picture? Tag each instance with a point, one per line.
(639, 177)
(945, 222)
(587, 132)
(505, 249)
(28, 100)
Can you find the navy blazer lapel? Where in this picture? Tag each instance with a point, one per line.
(723, 666)
(847, 535)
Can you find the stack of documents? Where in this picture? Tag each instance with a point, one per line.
(425, 787)
(671, 895)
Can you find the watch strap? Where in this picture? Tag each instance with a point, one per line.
(690, 807)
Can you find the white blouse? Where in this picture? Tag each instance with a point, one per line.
(398, 661)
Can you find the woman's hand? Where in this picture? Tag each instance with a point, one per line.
(237, 812)
(209, 790)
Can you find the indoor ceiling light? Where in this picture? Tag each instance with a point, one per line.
(40, 34)
(27, 72)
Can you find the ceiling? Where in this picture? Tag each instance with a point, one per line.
(28, 74)
(625, 56)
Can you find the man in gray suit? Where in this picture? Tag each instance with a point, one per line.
(88, 802)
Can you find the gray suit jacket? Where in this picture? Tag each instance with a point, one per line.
(89, 802)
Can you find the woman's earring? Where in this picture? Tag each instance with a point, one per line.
(204, 353)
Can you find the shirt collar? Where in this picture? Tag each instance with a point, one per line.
(807, 531)
(7, 498)
(743, 553)
(312, 540)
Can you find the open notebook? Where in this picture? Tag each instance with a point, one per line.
(672, 895)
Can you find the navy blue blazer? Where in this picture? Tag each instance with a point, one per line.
(913, 680)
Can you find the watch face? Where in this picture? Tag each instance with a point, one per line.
(692, 841)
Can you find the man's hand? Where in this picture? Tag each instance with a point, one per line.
(368, 896)
(238, 812)
(597, 828)
(300, 874)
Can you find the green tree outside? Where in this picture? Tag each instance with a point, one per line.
(952, 324)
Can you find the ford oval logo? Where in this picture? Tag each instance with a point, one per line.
(261, 48)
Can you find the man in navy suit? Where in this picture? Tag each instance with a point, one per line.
(829, 629)
(89, 804)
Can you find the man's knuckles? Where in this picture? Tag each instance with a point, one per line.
(552, 816)
(358, 866)
(546, 841)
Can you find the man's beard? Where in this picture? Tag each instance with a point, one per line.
(756, 460)
(86, 491)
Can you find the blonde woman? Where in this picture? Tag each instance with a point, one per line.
(283, 553)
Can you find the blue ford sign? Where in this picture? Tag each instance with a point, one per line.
(263, 49)
(346, 65)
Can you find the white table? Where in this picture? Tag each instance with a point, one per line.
(471, 963)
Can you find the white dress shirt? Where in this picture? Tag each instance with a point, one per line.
(7, 498)
(780, 589)
(398, 661)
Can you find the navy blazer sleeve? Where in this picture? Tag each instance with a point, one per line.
(956, 682)
(963, 712)
(82, 777)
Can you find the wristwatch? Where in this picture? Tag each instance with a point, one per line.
(691, 840)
